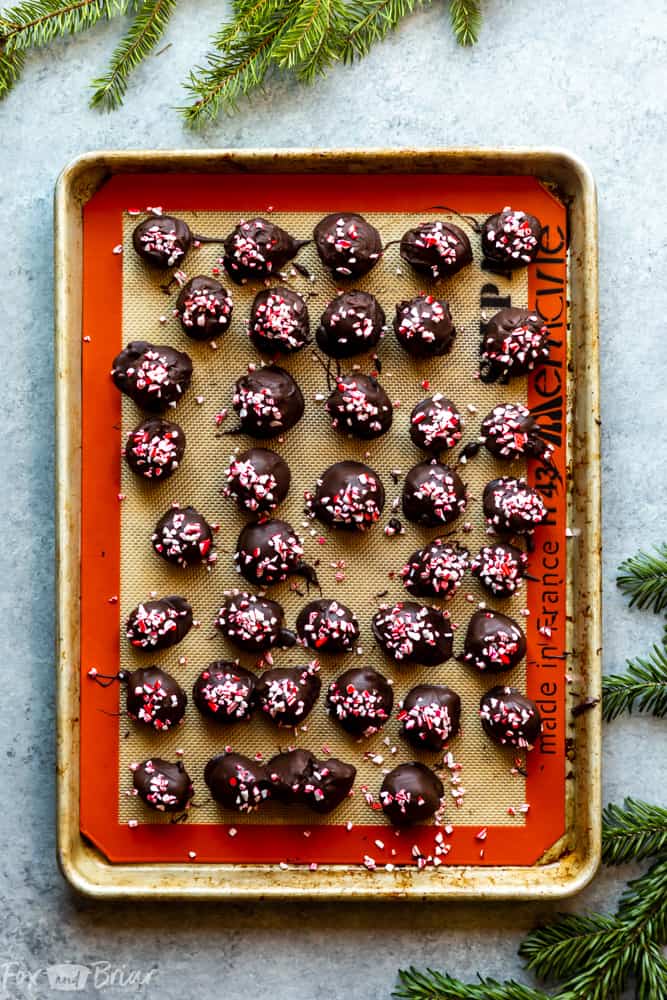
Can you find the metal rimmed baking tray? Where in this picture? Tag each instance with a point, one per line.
(563, 871)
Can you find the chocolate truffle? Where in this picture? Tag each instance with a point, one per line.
(433, 494)
(154, 376)
(424, 327)
(162, 241)
(493, 642)
(155, 698)
(351, 324)
(258, 479)
(348, 245)
(510, 431)
(162, 785)
(436, 249)
(237, 782)
(514, 342)
(267, 552)
(327, 626)
(298, 778)
(413, 633)
(159, 624)
(349, 495)
(509, 718)
(430, 714)
(287, 694)
(361, 700)
(359, 406)
(257, 249)
(436, 570)
(511, 238)
(436, 424)
(225, 692)
(204, 308)
(411, 793)
(183, 537)
(268, 402)
(279, 321)
(513, 507)
(155, 449)
(500, 568)
(253, 623)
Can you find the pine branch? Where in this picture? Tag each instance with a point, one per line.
(11, 64)
(645, 684)
(466, 18)
(643, 905)
(35, 23)
(370, 21)
(145, 32)
(432, 985)
(240, 65)
(559, 949)
(633, 832)
(643, 578)
(651, 974)
(314, 39)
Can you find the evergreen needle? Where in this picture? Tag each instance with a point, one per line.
(643, 578)
(644, 686)
(35, 23)
(466, 18)
(11, 64)
(633, 832)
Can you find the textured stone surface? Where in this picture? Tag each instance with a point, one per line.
(583, 76)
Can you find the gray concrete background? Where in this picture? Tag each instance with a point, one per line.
(580, 75)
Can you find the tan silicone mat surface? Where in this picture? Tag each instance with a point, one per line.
(368, 561)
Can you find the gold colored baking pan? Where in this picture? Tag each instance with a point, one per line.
(573, 860)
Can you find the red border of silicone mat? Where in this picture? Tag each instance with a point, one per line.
(100, 523)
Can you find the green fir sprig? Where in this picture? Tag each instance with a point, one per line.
(643, 578)
(643, 686)
(302, 37)
(633, 832)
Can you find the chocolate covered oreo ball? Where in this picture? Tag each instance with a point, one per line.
(511, 431)
(511, 238)
(155, 698)
(494, 643)
(349, 495)
(159, 624)
(163, 786)
(360, 701)
(509, 718)
(253, 623)
(225, 692)
(204, 308)
(183, 537)
(514, 342)
(279, 321)
(268, 402)
(424, 327)
(237, 782)
(436, 249)
(257, 249)
(348, 245)
(258, 479)
(154, 376)
(436, 424)
(410, 632)
(436, 570)
(433, 494)
(411, 793)
(359, 406)
(513, 507)
(351, 324)
(267, 552)
(298, 778)
(430, 715)
(162, 241)
(286, 695)
(500, 568)
(327, 626)
(155, 449)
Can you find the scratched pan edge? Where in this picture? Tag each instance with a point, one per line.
(82, 864)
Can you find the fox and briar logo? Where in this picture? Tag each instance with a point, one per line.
(68, 977)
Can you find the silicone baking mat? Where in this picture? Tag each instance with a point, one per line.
(518, 803)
